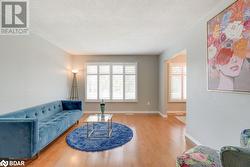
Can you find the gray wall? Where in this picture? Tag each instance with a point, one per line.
(32, 72)
(213, 118)
(147, 81)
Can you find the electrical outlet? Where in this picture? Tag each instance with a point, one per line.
(148, 103)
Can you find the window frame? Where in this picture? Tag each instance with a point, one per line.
(111, 81)
(182, 100)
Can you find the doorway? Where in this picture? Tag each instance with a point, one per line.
(175, 85)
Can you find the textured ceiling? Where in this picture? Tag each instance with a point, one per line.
(114, 26)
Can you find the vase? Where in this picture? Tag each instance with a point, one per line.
(102, 106)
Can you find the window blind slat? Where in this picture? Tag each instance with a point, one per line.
(130, 69)
(130, 87)
(92, 69)
(117, 88)
(117, 69)
(104, 69)
(92, 87)
(104, 87)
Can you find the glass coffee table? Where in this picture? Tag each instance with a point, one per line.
(99, 118)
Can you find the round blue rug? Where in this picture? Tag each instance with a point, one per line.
(121, 134)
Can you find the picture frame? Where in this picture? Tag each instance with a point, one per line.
(228, 49)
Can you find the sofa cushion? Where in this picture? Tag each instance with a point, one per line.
(71, 105)
(37, 112)
(44, 111)
(199, 156)
(53, 126)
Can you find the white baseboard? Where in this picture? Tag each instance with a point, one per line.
(163, 115)
(174, 112)
(129, 112)
(192, 139)
(123, 112)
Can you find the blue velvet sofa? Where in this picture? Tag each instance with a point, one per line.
(24, 133)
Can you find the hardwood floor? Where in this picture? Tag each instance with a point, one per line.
(181, 118)
(156, 143)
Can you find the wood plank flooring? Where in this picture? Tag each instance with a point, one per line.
(156, 143)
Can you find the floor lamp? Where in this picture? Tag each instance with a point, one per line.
(74, 88)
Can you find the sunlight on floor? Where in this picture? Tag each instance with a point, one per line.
(182, 119)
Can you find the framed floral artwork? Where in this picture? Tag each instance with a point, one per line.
(228, 49)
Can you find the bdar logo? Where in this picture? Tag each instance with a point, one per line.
(4, 163)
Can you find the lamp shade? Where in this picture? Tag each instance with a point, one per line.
(75, 71)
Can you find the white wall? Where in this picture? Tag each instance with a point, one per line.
(213, 118)
(32, 71)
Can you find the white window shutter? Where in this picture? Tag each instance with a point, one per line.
(177, 82)
(111, 81)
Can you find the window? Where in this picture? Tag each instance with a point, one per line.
(177, 82)
(111, 82)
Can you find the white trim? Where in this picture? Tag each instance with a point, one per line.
(129, 112)
(170, 112)
(123, 112)
(177, 101)
(192, 139)
(163, 115)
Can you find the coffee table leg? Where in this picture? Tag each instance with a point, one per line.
(110, 127)
(93, 128)
(87, 129)
(111, 123)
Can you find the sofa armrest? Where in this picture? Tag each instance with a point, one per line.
(18, 137)
(71, 105)
(235, 156)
